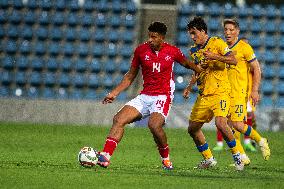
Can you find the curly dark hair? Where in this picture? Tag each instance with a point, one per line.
(158, 27)
(198, 23)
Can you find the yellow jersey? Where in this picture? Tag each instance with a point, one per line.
(213, 80)
(238, 74)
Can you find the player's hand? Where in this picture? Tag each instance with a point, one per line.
(186, 92)
(209, 55)
(204, 65)
(109, 98)
(254, 97)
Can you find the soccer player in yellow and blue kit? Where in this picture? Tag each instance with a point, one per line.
(214, 88)
(238, 76)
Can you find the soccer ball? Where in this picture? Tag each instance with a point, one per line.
(88, 157)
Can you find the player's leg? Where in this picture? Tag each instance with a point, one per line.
(221, 124)
(155, 124)
(194, 130)
(249, 144)
(125, 116)
(219, 145)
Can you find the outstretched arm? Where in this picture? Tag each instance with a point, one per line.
(191, 83)
(256, 77)
(190, 65)
(228, 59)
(125, 82)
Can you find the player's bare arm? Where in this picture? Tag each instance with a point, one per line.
(256, 77)
(125, 83)
(190, 65)
(228, 59)
(191, 83)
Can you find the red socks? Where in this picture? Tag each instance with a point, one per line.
(110, 145)
(164, 151)
(219, 136)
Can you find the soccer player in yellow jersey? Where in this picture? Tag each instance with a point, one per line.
(238, 76)
(214, 88)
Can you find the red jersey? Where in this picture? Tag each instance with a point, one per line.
(157, 68)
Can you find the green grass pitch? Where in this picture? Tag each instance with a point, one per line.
(45, 156)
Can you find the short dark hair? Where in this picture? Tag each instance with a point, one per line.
(232, 21)
(158, 27)
(198, 23)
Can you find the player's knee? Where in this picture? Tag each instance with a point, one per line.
(221, 122)
(118, 120)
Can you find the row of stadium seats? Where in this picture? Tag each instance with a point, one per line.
(116, 6)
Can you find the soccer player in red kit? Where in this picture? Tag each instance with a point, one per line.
(156, 59)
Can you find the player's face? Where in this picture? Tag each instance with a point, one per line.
(155, 40)
(231, 33)
(199, 37)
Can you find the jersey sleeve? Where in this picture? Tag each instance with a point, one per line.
(179, 56)
(223, 48)
(135, 60)
(249, 53)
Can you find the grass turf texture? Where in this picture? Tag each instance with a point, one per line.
(45, 156)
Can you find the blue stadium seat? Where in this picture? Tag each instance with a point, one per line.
(89, 5)
(117, 6)
(83, 49)
(91, 94)
(87, 20)
(255, 41)
(178, 99)
(76, 94)
(267, 87)
(269, 57)
(32, 4)
(3, 16)
(84, 34)
(81, 65)
(113, 36)
(131, 7)
(213, 24)
(41, 33)
(117, 79)
(70, 34)
(8, 62)
(64, 80)
(182, 38)
(271, 11)
(281, 27)
(30, 18)
(73, 5)
(268, 72)
(200, 9)
(185, 9)
(256, 27)
(60, 5)
(45, 4)
(270, 27)
(11, 47)
(98, 50)
(93, 81)
(107, 81)
(182, 22)
(15, 17)
(35, 78)
(229, 10)
(124, 66)
(100, 20)
(56, 34)
(99, 35)
(244, 24)
(13, 32)
(4, 4)
(110, 66)
(128, 36)
(37, 64)
(33, 92)
(68, 49)
(72, 19)
(58, 18)
(215, 9)
(22, 63)
(6, 77)
(281, 73)
(111, 50)
(266, 101)
(44, 18)
(2, 32)
(281, 43)
(115, 21)
(61, 93)
(280, 102)
(95, 66)
(20, 78)
(49, 79)
(257, 11)
(54, 49)
(4, 91)
(129, 21)
(280, 88)
(52, 64)
(102, 6)
(66, 65)
(39, 48)
(270, 42)
(48, 93)
(126, 51)
(180, 70)
(27, 32)
(79, 80)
